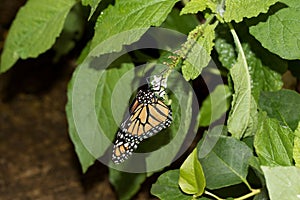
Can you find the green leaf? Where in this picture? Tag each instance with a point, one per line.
(132, 19)
(273, 142)
(291, 3)
(227, 163)
(34, 30)
(296, 149)
(209, 140)
(237, 10)
(126, 184)
(282, 182)
(280, 34)
(239, 115)
(226, 52)
(167, 188)
(252, 124)
(183, 24)
(93, 3)
(194, 6)
(84, 156)
(71, 33)
(191, 179)
(200, 48)
(263, 78)
(85, 86)
(284, 105)
(215, 105)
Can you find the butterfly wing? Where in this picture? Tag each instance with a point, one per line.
(147, 120)
(124, 146)
(148, 116)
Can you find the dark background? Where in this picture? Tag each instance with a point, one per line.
(37, 157)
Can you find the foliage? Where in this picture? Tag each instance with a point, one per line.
(251, 42)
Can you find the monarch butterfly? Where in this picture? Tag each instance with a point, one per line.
(148, 115)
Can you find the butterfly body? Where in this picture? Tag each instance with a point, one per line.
(148, 115)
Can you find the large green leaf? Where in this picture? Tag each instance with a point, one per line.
(282, 182)
(226, 52)
(199, 45)
(280, 34)
(239, 115)
(84, 156)
(237, 10)
(296, 149)
(284, 105)
(215, 105)
(291, 3)
(191, 179)
(132, 19)
(263, 78)
(273, 142)
(126, 184)
(167, 188)
(89, 104)
(34, 30)
(227, 163)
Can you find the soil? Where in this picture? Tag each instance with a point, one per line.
(37, 159)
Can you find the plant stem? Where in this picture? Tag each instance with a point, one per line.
(212, 195)
(238, 44)
(252, 193)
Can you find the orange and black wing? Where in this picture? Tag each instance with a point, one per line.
(148, 116)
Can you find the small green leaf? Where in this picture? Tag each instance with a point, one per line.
(93, 3)
(167, 188)
(239, 115)
(296, 149)
(194, 6)
(34, 30)
(191, 179)
(237, 10)
(284, 105)
(132, 19)
(280, 34)
(227, 163)
(200, 48)
(282, 182)
(126, 184)
(215, 105)
(273, 142)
